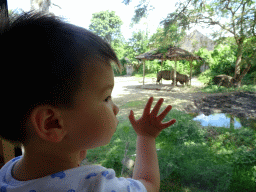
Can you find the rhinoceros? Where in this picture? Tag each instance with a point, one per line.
(169, 75)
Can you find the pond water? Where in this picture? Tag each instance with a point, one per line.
(223, 120)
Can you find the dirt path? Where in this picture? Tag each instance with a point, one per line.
(129, 93)
(130, 89)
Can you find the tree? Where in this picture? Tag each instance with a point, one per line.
(166, 36)
(42, 5)
(141, 10)
(107, 25)
(241, 23)
(137, 45)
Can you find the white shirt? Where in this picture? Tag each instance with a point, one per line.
(91, 178)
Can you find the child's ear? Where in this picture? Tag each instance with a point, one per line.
(48, 124)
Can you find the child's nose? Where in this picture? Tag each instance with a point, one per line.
(116, 109)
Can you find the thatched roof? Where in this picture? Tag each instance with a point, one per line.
(173, 53)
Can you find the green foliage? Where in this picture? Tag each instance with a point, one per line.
(137, 45)
(238, 148)
(207, 76)
(116, 70)
(223, 60)
(151, 75)
(141, 11)
(169, 35)
(243, 179)
(250, 78)
(207, 59)
(180, 132)
(222, 89)
(113, 159)
(107, 25)
(210, 174)
(119, 47)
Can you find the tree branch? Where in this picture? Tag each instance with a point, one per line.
(216, 23)
(184, 8)
(56, 5)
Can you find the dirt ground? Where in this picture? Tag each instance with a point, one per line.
(191, 100)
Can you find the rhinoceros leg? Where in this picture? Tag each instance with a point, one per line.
(159, 77)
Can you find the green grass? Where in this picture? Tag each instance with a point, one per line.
(150, 75)
(222, 89)
(133, 104)
(191, 158)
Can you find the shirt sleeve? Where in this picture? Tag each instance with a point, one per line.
(106, 181)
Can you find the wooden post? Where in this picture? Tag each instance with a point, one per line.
(125, 156)
(6, 150)
(190, 71)
(174, 75)
(4, 7)
(161, 70)
(143, 70)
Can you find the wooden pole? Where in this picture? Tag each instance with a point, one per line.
(143, 70)
(161, 70)
(4, 7)
(190, 71)
(125, 157)
(6, 150)
(174, 75)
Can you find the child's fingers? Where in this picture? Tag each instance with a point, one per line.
(168, 124)
(157, 107)
(148, 106)
(164, 113)
(131, 118)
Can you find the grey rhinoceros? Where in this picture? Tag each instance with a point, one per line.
(169, 75)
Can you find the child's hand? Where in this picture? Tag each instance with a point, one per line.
(82, 156)
(149, 124)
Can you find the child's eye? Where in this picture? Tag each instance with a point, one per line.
(109, 97)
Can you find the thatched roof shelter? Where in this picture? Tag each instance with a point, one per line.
(172, 54)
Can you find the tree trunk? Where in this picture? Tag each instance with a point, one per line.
(232, 122)
(240, 77)
(4, 7)
(238, 60)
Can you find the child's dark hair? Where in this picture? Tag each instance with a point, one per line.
(41, 60)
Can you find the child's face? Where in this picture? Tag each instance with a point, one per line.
(93, 122)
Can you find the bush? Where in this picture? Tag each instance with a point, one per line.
(224, 57)
(113, 160)
(196, 166)
(207, 77)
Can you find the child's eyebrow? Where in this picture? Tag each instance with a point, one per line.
(109, 86)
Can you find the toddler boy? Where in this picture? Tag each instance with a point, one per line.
(60, 105)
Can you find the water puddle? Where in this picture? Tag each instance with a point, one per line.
(225, 120)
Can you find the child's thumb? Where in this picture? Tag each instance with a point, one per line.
(131, 117)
